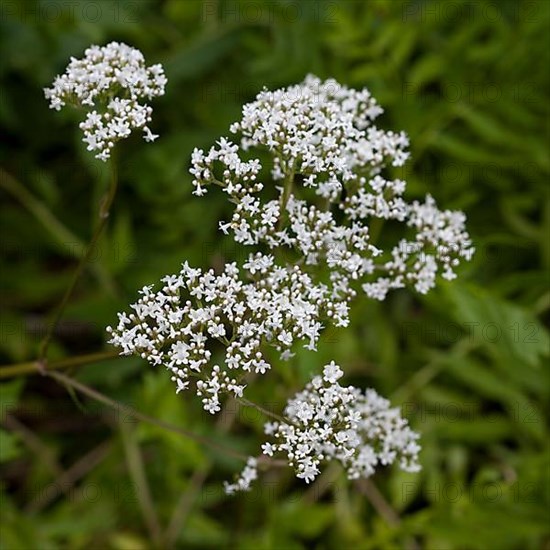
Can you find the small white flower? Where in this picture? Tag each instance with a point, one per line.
(267, 449)
(196, 310)
(181, 385)
(285, 338)
(332, 372)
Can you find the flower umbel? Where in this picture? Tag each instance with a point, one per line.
(110, 82)
(327, 421)
(323, 142)
(178, 325)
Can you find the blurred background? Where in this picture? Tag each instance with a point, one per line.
(469, 82)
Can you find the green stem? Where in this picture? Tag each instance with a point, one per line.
(65, 482)
(103, 216)
(379, 502)
(375, 228)
(185, 504)
(183, 507)
(35, 367)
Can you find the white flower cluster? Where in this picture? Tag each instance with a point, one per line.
(327, 421)
(194, 312)
(109, 81)
(322, 215)
(321, 136)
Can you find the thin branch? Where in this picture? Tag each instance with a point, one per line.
(384, 509)
(185, 503)
(35, 367)
(285, 195)
(103, 217)
(259, 408)
(74, 246)
(126, 409)
(378, 501)
(34, 443)
(322, 484)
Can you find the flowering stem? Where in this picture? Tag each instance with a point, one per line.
(184, 505)
(34, 443)
(103, 216)
(68, 478)
(384, 508)
(41, 213)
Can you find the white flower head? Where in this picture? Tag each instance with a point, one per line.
(356, 428)
(110, 82)
(263, 305)
(328, 161)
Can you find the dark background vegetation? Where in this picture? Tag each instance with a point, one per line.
(469, 82)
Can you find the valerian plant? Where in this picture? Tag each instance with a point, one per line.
(312, 216)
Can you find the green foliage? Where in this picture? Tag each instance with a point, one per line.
(469, 82)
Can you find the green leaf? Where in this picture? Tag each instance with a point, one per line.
(425, 70)
(489, 384)
(9, 446)
(500, 325)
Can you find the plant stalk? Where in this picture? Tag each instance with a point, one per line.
(103, 216)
